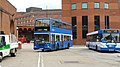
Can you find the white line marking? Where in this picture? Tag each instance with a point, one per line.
(78, 47)
(42, 63)
(39, 60)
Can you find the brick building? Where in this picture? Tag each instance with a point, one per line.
(7, 13)
(90, 15)
(25, 20)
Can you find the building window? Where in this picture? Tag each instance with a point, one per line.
(74, 6)
(74, 28)
(96, 23)
(84, 32)
(74, 21)
(96, 5)
(106, 22)
(106, 5)
(27, 21)
(84, 26)
(84, 5)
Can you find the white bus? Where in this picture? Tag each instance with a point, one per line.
(8, 46)
(104, 40)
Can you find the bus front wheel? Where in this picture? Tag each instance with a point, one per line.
(13, 52)
(96, 48)
(68, 46)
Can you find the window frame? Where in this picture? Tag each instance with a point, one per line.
(106, 4)
(96, 3)
(84, 3)
(84, 26)
(74, 27)
(73, 6)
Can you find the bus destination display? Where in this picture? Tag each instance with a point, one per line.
(110, 31)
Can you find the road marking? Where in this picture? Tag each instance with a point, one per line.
(78, 47)
(39, 60)
(42, 63)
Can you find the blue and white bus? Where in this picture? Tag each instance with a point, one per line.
(104, 40)
(52, 34)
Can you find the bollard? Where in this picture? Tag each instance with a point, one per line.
(19, 45)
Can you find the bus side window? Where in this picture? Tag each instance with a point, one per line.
(2, 41)
(66, 38)
(58, 37)
(98, 38)
(69, 38)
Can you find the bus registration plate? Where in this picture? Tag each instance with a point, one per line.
(110, 45)
(111, 49)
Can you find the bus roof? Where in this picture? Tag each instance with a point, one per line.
(91, 33)
(55, 20)
(67, 23)
(96, 32)
(47, 19)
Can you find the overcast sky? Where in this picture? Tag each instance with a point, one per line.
(21, 5)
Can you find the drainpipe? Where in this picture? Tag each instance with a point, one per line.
(0, 20)
(106, 21)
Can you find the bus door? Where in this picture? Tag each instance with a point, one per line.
(53, 40)
(62, 41)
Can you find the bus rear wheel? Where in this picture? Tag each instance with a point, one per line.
(68, 46)
(89, 46)
(43, 50)
(96, 48)
(13, 52)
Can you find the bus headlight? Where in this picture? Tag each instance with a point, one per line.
(35, 46)
(47, 45)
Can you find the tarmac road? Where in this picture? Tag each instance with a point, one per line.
(77, 56)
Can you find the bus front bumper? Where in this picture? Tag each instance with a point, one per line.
(109, 49)
(42, 46)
